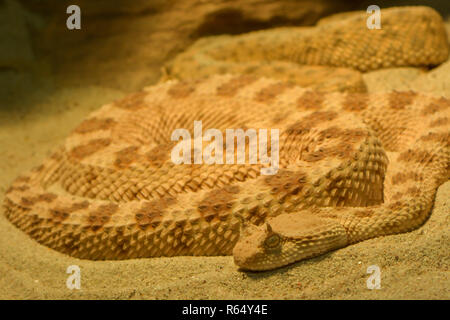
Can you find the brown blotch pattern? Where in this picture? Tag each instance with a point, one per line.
(310, 100)
(44, 197)
(280, 117)
(397, 196)
(158, 155)
(22, 179)
(347, 135)
(17, 188)
(395, 205)
(308, 122)
(364, 213)
(38, 168)
(250, 69)
(354, 135)
(47, 197)
(28, 201)
(403, 177)
(151, 213)
(439, 122)
(218, 203)
(330, 215)
(329, 133)
(413, 191)
(285, 181)
(268, 94)
(436, 105)
(419, 156)
(298, 128)
(126, 156)
(443, 137)
(343, 148)
(134, 101)
(356, 102)
(56, 156)
(181, 90)
(314, 156)
(399, 100)
(60, 214)
(320, 116)
(99, 217)
(95, 124)
(90, 148)
(230, 88)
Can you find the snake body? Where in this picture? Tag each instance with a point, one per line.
(327, 57)
(346, 173)
(352, 165)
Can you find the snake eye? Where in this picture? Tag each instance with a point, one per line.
(273, 241)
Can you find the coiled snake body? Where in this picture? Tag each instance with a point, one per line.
(352, 166)
(346, 173)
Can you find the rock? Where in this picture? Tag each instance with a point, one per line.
(18, 63)
(15, 45)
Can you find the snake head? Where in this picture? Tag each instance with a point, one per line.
(285, 239)
(256, 244)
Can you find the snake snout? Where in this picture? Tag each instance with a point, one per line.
(247, 254)
(250, 252)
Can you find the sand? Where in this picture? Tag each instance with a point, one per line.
(414, 265)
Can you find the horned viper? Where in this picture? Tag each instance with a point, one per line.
(352, 166)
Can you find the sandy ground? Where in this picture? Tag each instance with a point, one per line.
(413, 265)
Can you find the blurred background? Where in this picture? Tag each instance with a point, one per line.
(122, 44)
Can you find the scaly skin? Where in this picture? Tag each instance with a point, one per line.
(353, 166)
(328, 57)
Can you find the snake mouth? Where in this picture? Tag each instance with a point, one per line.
(247, 260)
(251, 258)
